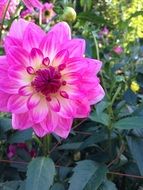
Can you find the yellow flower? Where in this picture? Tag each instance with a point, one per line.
(134, 86)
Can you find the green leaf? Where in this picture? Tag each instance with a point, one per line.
(134, 122)
(20, 136)
(135, 145)
(98, 115)
(97, 178)
(70, 146)
(40, 175)
(92, 17)
(84, 173)
(57, 186)
(5, 124)
(10, 185)
(107, 185)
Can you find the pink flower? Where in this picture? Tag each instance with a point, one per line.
(30, 4)
(47, 12)
(45, 81)
(118, 50)
(11, 9)
(103, 32)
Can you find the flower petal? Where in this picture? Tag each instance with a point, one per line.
(68, 108)
(36, 58)
(18, 28)
(96, 94)
(64, 126)
(11, 41)
(83, 108)
(21, 121)
(39, 112)
(40, 132)
(62, 31)
(3, 101)
(19, 74)
(17, 104)
(60, 58)
(33, 101)
(17, 56)
(50, 122)
(55, 104)
(25, 90)
(50, 45)
(33, 35)
(75, 47)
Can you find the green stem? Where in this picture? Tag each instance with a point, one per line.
(98, 57)
(46, 145)
(116, 94)
(2, 23)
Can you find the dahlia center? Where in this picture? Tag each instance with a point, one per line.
(47, 81)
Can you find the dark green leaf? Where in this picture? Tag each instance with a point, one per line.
(5, 124)
(20, 136)
(40, 175)
(57, 186)
(135, 145)
(108, 185)
(134, 122)
(83, 173)
(97, 178)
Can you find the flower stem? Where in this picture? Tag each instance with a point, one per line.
(46, 144)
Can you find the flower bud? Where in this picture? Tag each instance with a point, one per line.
(69, 14)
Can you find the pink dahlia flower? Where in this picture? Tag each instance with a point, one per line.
(47, 12)
(45, 81)
(30, 4)
(11, 9)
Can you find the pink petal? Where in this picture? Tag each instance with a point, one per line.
(68, 109)
(71, 78)
(55, 104)
(11, 41)
(36, 58)
(3, 67)
(33, 101)
(39, 112)
(40, 132)
(3, 101)
(62, 31)
(96, 94)
(75, 47)
(60, 58)
(50, 45)
(76, 65)
(21, 121)
(83, 108)
(18, 56)
(93, 65)
(25, 90)
(64, 126)
(9, 86)
(19, 74)
(33, 35)
(17, 104)
(18, 28)
(50, 122)
(30, 4)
